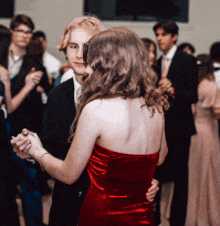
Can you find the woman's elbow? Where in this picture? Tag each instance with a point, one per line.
(68, 179)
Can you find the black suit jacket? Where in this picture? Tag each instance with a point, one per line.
(58, 117)
(183, 73)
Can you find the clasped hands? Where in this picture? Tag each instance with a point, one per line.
(25, 145)
(165, 86)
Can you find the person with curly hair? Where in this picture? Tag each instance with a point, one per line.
(118, 132)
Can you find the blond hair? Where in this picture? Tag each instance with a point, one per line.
(87, 22)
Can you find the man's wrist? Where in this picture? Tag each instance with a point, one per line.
(27, 88)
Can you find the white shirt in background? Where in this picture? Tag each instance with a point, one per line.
(169, 56)
(217, 73)
(52, 65)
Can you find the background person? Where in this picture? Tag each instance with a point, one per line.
(187, 47)
(51, 63)
(150, 45)
(204, 161)
(8, 176)
(26, 74)
(178, 79)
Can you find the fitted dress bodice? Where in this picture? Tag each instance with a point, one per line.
(117, 193)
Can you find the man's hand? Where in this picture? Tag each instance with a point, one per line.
(171, 91)
(164, 85)
(152, 191)
(50, 79)
(33, 78)
(40, 89)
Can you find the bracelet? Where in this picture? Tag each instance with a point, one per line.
(45, 153)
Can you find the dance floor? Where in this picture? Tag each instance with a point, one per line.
(47, 199)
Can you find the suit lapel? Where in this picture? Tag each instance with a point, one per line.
(159, 65)
(70, 95)
(173, 65)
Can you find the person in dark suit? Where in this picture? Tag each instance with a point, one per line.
(178, 79)
(59, 115)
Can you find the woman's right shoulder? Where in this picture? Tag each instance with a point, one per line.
(207, 83)
(207, 91)
(207, 86)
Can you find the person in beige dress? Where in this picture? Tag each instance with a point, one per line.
(203, 207)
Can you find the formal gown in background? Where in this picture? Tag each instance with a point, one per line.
(204, 161)
(117, 192)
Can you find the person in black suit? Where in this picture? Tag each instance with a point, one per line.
(59, 115)
(178, 79)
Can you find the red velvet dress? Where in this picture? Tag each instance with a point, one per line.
(117, 193)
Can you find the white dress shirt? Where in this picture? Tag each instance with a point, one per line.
(52, 65)
(14, 64)
(67, 75)
(169, 56)
(217, 74)
(77, 90)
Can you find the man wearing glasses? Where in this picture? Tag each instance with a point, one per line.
(25, 75)
(21, 28)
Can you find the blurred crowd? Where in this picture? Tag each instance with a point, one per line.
(190, 173)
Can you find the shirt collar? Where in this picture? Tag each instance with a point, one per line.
(14, 57)
(215, 64)
(171, 53)
(76, 84)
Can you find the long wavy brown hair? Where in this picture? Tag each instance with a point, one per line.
(121, 69)
(205, 67)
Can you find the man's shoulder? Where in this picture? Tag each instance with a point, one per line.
(184, 56)
(64, 87)
(184, 61)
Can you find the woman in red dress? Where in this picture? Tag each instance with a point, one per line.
(118, 133)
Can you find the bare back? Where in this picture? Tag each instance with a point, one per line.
(128, 128)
